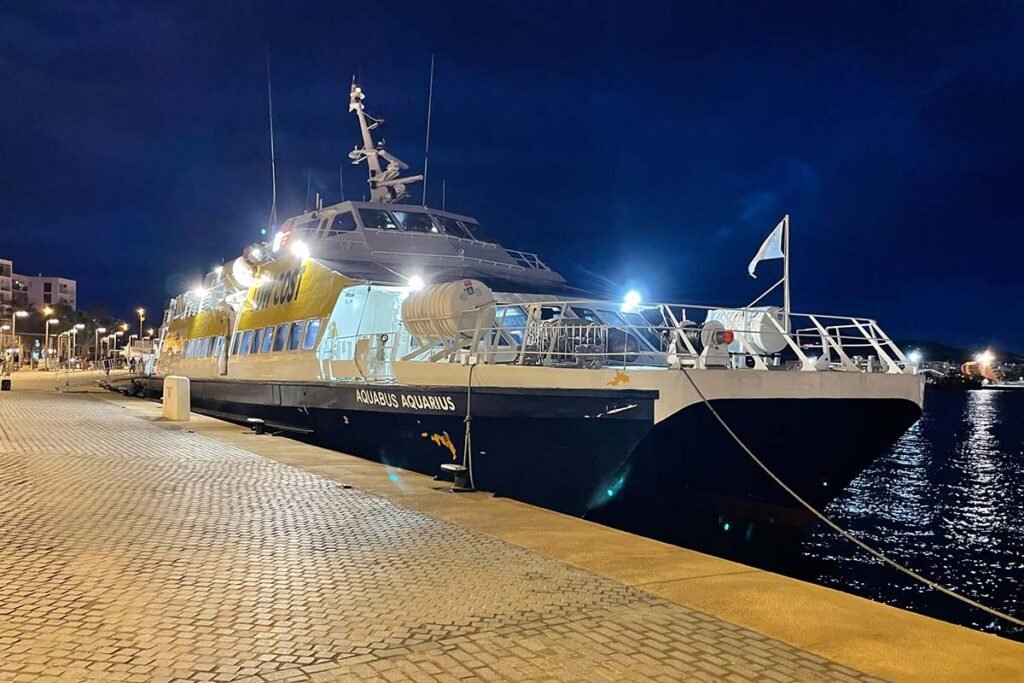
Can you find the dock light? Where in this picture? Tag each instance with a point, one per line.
(915, 356)
(985, 357)
(630, 301)
(150, 332)
(300, 249)
(5, 328)
(21, 314)
(80, 326)
(416, 283)
(53, 321)
(47, 310)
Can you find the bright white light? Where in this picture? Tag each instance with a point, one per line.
(256, 253)
(53, 321)
(985, 357)
(80, 326)
(199, 291)
(278, 236)
(631, 300)
(416, 283)
(300, 249)
(218, 270)
(915, 356)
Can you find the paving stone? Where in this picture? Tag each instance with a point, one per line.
(139, 550)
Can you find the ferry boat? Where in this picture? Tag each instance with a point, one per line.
(410, 336)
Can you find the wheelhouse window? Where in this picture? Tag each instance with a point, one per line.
(246, 342)
(343, 222)
(452, 227)
(207, 343)
(377, 220)
(268, 340)
(257, 341)
(234, 344)
(281, 337)
(309, 338)
(479, 234)
(308, 226)
(415, 221)
(295, 337)
(218, 345)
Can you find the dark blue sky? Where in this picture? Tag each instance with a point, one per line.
(655, 143)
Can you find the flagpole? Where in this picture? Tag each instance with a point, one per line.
(785, 270)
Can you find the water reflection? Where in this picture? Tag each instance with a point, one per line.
(947, 501)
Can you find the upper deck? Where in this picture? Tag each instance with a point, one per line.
(395, 242)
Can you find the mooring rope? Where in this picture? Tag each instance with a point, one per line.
(838, 529)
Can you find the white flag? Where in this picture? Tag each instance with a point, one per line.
(771, 248)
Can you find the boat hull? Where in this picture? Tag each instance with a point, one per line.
(587, 452)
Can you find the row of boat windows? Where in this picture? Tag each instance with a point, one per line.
(300, 334)
(409, 221)
(514, 319)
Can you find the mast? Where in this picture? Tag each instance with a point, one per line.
(785, 270)
(385, 185)
(273, 163)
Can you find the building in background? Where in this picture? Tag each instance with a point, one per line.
(45, 290)
(6, 285)
(18, 292)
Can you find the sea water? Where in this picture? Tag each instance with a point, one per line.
(948, 502)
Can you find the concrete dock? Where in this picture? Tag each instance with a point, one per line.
(133, 549)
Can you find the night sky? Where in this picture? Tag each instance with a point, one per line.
(655, 144)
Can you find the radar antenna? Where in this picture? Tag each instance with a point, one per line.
(386, 185)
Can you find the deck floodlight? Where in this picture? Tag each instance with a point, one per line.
(630, 301)
(416, 283)
(300, 249)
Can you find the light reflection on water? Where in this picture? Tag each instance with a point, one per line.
(948, 502)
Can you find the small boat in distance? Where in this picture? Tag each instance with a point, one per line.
(411, 336)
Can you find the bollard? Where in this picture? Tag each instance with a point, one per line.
(460, 477)
(177, 398)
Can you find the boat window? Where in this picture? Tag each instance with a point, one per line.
(281, 337)
(309, 339)
(246, 343)
(257, 341)
(308, 226)
(479, 234)
(234, 344)
(218, 345)
(207, 343)
(268, 339)
(550, 312)
(415, 221)
(635, 323)
(513, 319)
(344, 222)
(295, 339)
(587, 314)
(452, 227)
(188, 349)
(377, 220)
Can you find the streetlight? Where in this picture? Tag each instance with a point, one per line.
(150, 332)
(46, 346)
(74, 338)
(142, 316)
(14, 330)
(96, 344)
(47, 310)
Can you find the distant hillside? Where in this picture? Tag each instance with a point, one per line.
(931, 350)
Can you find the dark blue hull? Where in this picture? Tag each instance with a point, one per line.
(593, 453)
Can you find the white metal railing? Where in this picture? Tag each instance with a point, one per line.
(673, 335)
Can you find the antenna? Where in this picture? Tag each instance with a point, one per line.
(426, 150)
(309, 183)
(444, 193)
(341, 180)
(273, 162)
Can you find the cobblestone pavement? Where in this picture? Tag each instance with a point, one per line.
(137, 550)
